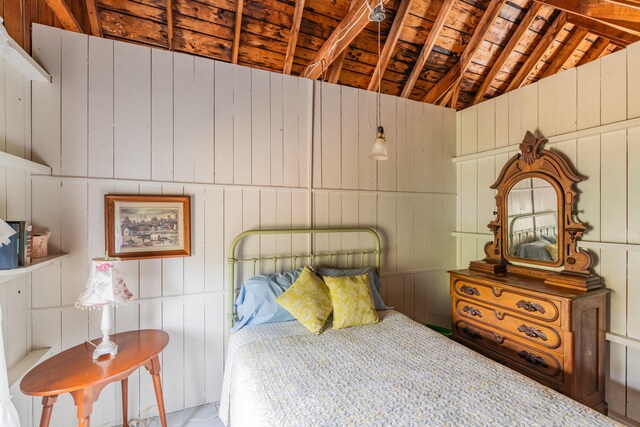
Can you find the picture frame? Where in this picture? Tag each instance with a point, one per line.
(147, 226)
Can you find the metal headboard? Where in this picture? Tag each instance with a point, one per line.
(526, 232)
(232, 260)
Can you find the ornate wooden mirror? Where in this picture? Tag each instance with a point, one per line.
(535, 220)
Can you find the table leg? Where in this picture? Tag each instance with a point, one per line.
(153, 366)
(47, 403)
(84, 422)
(125, 401)
(84, 399)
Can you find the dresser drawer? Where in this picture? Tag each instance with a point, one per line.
(505, 321)
(539, 362)
(533, 306)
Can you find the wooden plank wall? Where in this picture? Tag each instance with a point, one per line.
(15, 204)
(590, 115)
(121, 118)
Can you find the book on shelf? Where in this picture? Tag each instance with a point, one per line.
(25, 232)
(9, 254)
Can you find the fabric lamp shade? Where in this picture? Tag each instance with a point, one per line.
(105, 285)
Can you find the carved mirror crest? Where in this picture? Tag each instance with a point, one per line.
(535, 219)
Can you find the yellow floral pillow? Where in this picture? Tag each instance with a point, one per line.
(352, 301)
(308, 301)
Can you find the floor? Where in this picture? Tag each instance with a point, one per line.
(206, 415)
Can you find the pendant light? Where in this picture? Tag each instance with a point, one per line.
(379, 150)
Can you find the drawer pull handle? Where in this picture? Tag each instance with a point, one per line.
(533, 359)
(530, 306)
(471, 333)
(531, 332)
(469, 290)
(472, 311)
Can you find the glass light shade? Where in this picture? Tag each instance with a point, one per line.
(379, 149)
(105, 285)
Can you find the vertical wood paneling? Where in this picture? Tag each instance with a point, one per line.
(74, 103)
(193, 128)
(223, 123)
(588, 95)
(16, 98)
(241, 131)
(613, 87)
(387, 170)
(633, 82)
(349, 134)
(557, 106)
(291, 128)
(523, 112)
(260, 128)
(589, 202)
(100, 108)
(46, 99)
(277, 130)
(469, 130)
(367, 132)
(132, 111)
(633, 177)
(486, 125)
(331, 142)
(614, 178)
(162, 110)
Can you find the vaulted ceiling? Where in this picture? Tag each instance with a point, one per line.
(449, 52)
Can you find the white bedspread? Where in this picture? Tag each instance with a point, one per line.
(396, 372)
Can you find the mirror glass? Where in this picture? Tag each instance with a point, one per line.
(533, 220)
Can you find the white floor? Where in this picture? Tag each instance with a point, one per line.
(206, 415)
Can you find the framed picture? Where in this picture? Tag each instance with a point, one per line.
(139, 227)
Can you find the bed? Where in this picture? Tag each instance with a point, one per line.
(537, 242)
(395, 372)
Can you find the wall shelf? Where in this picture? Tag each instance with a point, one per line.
(25, 364)
(36, 264)
(14, 162)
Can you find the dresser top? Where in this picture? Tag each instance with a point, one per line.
(526, 282)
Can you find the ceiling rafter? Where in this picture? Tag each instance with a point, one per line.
(550, 36)
(293, 36)
(62, 11)
(597, 50)
(336, 68)
(390, 43)
(94, 18)
(436, 28)
(617, 36)
(454, 75)
(613, 14)
(237, 28)
(522, 28)
(578, 36)
(347, 30)
(169, 24)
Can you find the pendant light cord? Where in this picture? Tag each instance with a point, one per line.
(379, 77)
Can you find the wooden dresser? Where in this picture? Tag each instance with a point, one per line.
(551, 334)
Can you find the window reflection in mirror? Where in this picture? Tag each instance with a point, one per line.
(533, 220)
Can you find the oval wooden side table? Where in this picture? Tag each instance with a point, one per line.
(74, 371)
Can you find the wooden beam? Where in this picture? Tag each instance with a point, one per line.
(542, 46)
(62, 11)
(619, 37)
(236, 32)
(455, 74)
(565, 53)
(293, 36)
(524, 25)
(436, 28)
(596, 51)
(169, 24)
(336, 68)
(348, 29)
(94, 18)
(390, 43)
(630, 3)
(613, 14)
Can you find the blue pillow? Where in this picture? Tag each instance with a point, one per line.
(256, 302)
(374, 280)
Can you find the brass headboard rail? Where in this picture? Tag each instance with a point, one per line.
(232, 259)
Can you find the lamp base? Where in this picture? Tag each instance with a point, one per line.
(105, 347)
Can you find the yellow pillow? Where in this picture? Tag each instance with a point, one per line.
(352, 301)
(552, 250)
(308, 301)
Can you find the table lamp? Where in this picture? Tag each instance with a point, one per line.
(105, 287)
